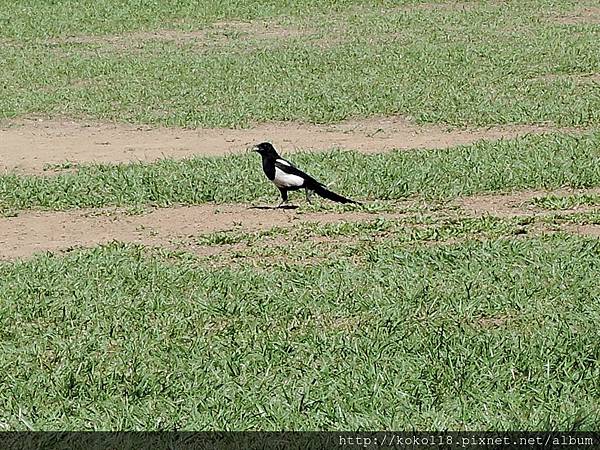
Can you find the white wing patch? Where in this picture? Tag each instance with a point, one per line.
(283, 161)
(287, 180)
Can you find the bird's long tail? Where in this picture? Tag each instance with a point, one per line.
(326, 193)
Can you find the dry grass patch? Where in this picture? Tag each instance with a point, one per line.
(582, 16)
(575, 78)
(494, 321)
(219, 34)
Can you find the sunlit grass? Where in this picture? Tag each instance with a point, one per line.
(546, 161)
(480, 334)
(477, 63)
(567, 201)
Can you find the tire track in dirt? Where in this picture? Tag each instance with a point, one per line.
(31, 145)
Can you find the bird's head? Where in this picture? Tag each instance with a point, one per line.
(265, 149)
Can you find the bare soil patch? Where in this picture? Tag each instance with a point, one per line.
(444, 6)
(518, 203)
(128, 39)
(217, 34)
(579, 79)
(494, 321)
(259, 29)
(586, 15)
(454, 5)
(35, 232)
(178, 228)
(30, 145)
(584, 230)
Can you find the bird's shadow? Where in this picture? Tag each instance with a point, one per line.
(274, 207)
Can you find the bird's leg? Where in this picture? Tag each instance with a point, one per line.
(308, 193)
(284, 197)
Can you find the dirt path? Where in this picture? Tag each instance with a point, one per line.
(583, 15)
(518, 203)
(31, 145)
(34, 232)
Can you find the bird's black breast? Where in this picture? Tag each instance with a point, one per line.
(269, 168)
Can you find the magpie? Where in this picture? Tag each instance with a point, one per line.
(288, 177)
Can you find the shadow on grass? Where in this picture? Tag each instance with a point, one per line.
(274, 207)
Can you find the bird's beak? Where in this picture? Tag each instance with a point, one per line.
(254, 149)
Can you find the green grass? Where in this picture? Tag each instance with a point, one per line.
(35, 19)
(580, 218)
(567, 201)
(478, 335)
(428, 321)
(536, 161)
(419, 228)
(480, 65)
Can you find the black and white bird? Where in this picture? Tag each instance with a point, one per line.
(288, 177)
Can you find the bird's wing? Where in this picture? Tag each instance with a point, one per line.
(289, 168)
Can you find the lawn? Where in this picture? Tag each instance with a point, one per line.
(470, 63)
(388, 333)
(429, 318)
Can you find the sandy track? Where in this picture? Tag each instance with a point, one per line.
(35, 232)
(175, 228)
(586, 230)
(31, 145)
(517, 204)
